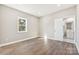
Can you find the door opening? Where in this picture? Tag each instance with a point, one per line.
(69, 28)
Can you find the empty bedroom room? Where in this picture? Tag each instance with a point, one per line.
(39, 29)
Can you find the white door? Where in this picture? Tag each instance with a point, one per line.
(59, 29)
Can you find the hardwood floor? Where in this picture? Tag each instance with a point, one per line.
(38, 46)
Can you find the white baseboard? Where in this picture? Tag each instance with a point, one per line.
(69, 41)
(5, 44)
(55, 39)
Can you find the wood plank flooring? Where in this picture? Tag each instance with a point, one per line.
(37, 46)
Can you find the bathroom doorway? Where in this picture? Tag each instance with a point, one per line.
(69, 28)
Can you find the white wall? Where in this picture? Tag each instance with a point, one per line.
(46, 27)
(0, 27)
(77, 28)
(48, 21)
(8, 22)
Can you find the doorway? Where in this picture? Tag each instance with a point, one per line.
(69, 28)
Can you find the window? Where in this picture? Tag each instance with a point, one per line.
(22, 24)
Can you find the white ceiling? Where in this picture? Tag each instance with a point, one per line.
(39, 9)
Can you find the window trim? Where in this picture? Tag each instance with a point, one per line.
(20, 25)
